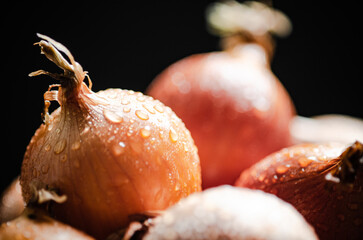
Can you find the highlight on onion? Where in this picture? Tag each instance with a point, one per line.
(322, 181)
(235, 107)
(35, 224)
(111, 154)
(11, 202)
(227, 212)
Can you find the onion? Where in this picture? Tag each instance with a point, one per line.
(236, 109)
(322, 181)
(11, 202)
(111, 153)
(325, 128)
(34, 224)
(227, 212)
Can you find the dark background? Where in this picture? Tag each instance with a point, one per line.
(126, 44)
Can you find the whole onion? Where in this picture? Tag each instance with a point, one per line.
(235, 107)
(323, 182)
(227, 212)
(111, 153)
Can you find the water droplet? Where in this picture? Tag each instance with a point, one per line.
(118, 149)
(35, 172)
(57, 130)
(282, 169)
(159, 108)
(60, 146)
(76, 145)
(125, 101)
(127, 109)
(161, 134)
(45, 169)
(131, 92)
(129, 132)
(142, 114)
(85, 130)
(140, 98)
(304, 162)
(274, 179)
(261, 177)
(177, 186)
(112, 116)
(149, 108)
(47, 147)
(173, 135)
(145, 132)
(63, 158)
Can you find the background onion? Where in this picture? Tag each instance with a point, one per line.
(235, 107)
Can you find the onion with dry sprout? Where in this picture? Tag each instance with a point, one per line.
(324, 182)
(112, 153)
(235, 107)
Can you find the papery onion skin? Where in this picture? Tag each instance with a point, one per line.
(112, 153)
(227, 212)
(234, 106)
(35, 224)
(314, 178)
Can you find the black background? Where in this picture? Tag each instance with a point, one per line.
(126, 44)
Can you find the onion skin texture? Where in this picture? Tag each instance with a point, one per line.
(303, 175)
(235, 108)
(112, 154)
(226, 212)
(11, 202)
(35, 224)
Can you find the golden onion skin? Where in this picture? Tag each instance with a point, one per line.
(112, 154)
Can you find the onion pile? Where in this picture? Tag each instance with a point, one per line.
(236, 109)
(111, 154)
(322, 181)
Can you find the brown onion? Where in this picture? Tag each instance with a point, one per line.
(235, 107)
(323, 182)
(111, 153)
(227, 212)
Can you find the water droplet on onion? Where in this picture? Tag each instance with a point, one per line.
(60, 146)
(142, 114)
(173, 135)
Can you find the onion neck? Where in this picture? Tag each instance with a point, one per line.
(71, 86)
(350, 164)
(245, 23)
